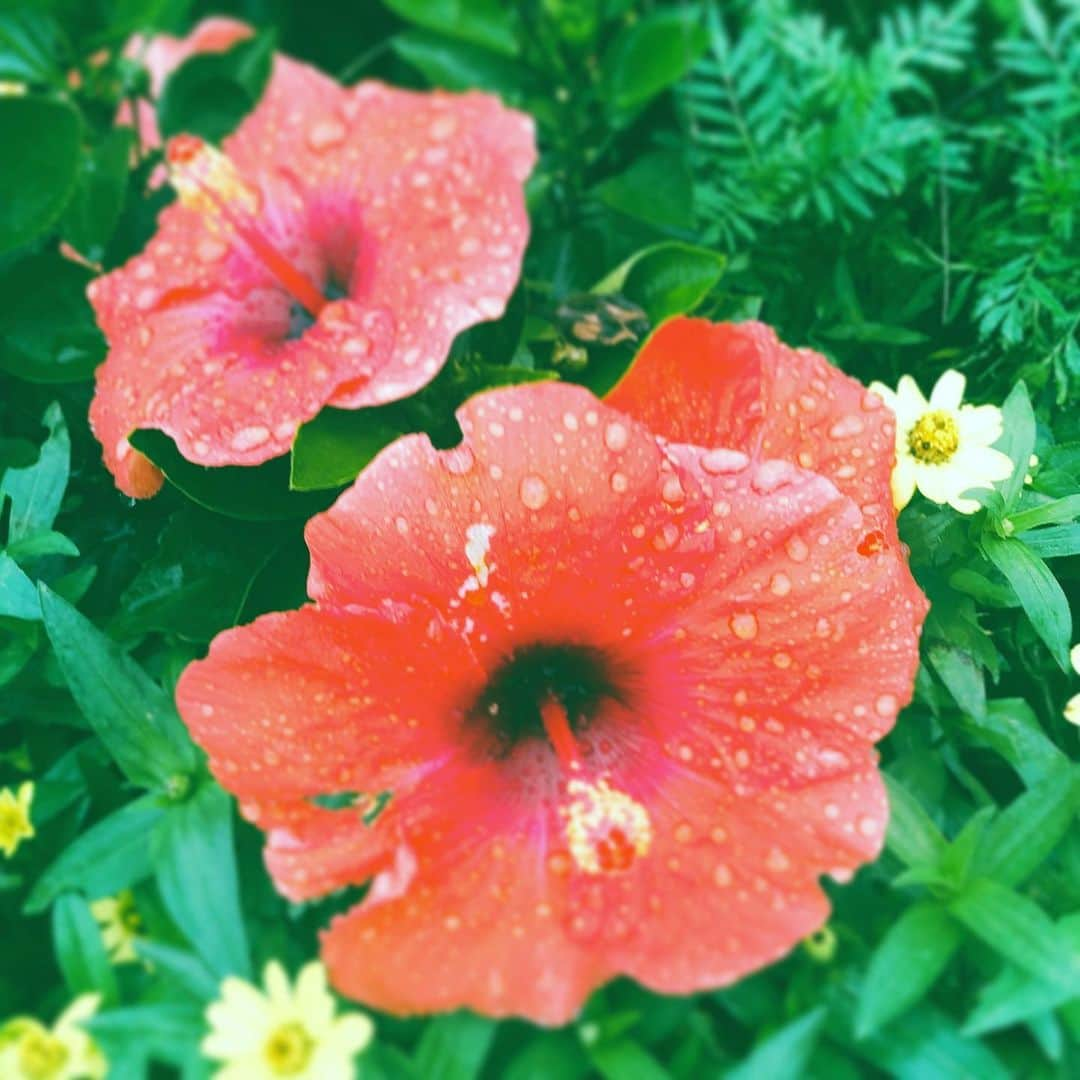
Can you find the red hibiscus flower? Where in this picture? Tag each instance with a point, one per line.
(162, 54)
(329, 255)
(621, 688)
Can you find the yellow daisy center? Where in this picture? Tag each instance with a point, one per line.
(41, 1055)
(934, 437)
(288, 1050)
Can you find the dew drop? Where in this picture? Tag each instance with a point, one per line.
(325, 134)
(797, 549)
(716, 462)
(744, 625)
(249, 437)
(722, 876)
(616, 436)
(846, 428)
(887, 705)
(780, 584)
(672, 491)
(619, 482)
(534, 491)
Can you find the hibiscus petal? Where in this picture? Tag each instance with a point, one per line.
(569, 512)
(737, 385)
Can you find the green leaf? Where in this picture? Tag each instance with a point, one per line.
(112, 855)
(95, 205)
(195, 864)
(1056, 542)
(37, 490)
(962, 676)
(656, 189)
(260, 493)
(655, 51)
(785, 1053)
(1023, 835)
(210, 93)
(624, 1059)
(1013, 730)
(1020, 931)
(18, 595)
(909, 960)
(198, 579)
(332, 449)
(30, 45)
(1054, 512)
(1015, 996)
(130, 713)
(47, 328)
(183, 969)
(41, 140)
(1018, 441)
(666, 279)
(487, 23)
(454, 1047)
(80, 950)
(462, 66)
(912, 837)
(1042, 598)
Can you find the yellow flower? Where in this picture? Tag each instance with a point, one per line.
(120, 925)
(15, 817)
(31, 1051)
(943, 448)
(283, 1031)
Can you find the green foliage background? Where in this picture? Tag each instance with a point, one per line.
(897, 186)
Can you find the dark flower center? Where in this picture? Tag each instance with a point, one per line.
(301, 320)
(508, 713)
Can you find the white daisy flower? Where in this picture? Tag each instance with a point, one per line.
(943, 448)
(283, 1030)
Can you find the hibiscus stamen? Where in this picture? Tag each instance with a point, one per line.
(207, 181)
(606, 829)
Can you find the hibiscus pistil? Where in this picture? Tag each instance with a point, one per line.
(606, 829)
(208, 182)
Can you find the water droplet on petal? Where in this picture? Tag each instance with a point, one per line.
(325, 134)
(744, 625)
(616, 436)
(716, 462)
(249, 437)
(780, 584)
(458, 461)
(846, 428)
(534, 491)
(619, 482)
(797, 549)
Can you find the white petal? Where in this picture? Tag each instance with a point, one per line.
(903, 481)
(910, 403)
(313, 1003)
(940, 483)
(948, 392)
(979, 425)
(982, 465)
(277, 985)
(1072, 710)
(883, 392)
(353, 1031)
(1074, 656)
